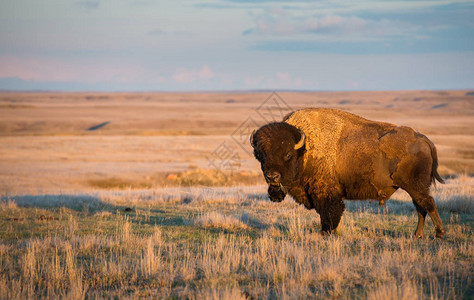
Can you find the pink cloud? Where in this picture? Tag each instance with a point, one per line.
(183, 75)
(29, 68)
(205, 73)
(330, 25)
(280, 80)
(283, 77)
(61, 70)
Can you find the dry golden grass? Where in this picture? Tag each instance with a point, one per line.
(214, 219)
(231, 243)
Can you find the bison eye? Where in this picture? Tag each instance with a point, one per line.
(288, 156)
(257, 155)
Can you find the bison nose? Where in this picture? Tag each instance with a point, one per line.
(273, 177)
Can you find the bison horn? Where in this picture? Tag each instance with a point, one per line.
(301, 141)
(251, 138)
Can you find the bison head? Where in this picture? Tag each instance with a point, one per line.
(278, 147)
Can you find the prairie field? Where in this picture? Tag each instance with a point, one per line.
(157, 195)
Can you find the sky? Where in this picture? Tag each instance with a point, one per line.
(222, 45)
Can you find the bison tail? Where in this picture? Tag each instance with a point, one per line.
(434, 168)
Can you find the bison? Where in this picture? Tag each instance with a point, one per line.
(322, 156)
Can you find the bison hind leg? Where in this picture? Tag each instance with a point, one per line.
(424, 203)
(331, 215)
(421, 221)
(414, 176)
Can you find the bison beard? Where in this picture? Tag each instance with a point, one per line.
(322, 156)
(276, 193)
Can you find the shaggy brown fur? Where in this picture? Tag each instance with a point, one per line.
(346, 157)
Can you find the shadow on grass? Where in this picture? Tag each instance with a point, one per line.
(257, 196)
(393, 233)
(81, 203)
(91, 205)
(392, 206)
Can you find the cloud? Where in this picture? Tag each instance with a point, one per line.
(38, 69)
(279, 80)
(283, 76)
(184, 75)
(334, 24)
(214, 5)
(141, 3)
(350, 47)
(156, 32)
(276, 22)
(248, 31)
(265, 1)
(205, 73)
(354, 7)
(159, 31)
(88, 4)
(32, 68)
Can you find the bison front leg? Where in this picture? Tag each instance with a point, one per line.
(276, 193)
(331, 213)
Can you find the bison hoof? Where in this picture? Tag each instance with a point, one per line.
(440, 233)
(325, 232)
(418, 236)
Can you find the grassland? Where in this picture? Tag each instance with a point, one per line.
(230, 243)
(135, 209)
